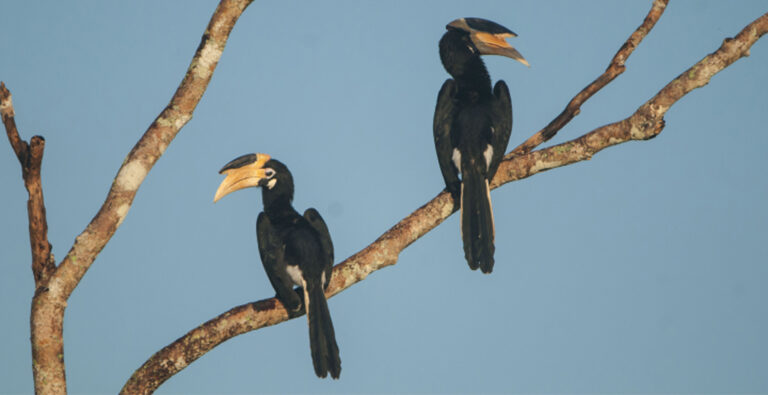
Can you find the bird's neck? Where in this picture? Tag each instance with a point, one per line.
(475, 80)
(277, 204)
(462, 61)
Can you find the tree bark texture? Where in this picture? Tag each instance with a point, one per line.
(30, 157)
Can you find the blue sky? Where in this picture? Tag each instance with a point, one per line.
(642, 270)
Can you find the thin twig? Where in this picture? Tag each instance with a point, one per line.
(30, 157)
(20, 147)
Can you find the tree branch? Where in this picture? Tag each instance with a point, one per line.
(646, 123)
(615, 68)
(54, 285)
(30, 157)
(149, 148)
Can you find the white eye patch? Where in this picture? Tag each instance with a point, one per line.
(269, 172)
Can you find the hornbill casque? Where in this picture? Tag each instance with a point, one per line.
(294, 249)
(471, 127)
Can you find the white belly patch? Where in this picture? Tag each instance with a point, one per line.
(295, 273)
(456, 159)
(488, 154)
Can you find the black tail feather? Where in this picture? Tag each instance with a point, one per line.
(322, 339)
(477, 229)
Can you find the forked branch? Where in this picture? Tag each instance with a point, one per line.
(30, 157)
(615, 68)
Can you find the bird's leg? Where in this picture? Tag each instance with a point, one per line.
(293, 302)
(455, 190)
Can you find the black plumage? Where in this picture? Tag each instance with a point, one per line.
(471, 128)
(295, 250)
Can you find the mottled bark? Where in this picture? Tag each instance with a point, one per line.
(149, 149)
(54, 285)
(645, 123)
(47, 343)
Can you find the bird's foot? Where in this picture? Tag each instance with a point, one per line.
(294, 306)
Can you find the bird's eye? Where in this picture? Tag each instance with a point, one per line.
(269, 173)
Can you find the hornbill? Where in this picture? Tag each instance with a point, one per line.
(294, 249)
(471, 127)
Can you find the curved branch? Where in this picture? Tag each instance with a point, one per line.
(149, 149)
(615, 68)
(55, 285)
(645, 123)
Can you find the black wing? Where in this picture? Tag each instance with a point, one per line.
(502, 125)
(272, 250)
(316, 221)
(441, 127)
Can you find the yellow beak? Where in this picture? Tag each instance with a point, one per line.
(496, 44)
(241, 177)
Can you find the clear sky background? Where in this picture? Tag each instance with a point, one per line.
(642, 270)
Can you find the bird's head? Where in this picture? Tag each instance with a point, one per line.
(487, 37)
(255, 170)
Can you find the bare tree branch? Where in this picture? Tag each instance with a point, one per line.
(54, 285)
(30, 157)
(646, 123)
(615, 68)
(149, 148)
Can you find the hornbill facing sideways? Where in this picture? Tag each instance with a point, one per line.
(294, 249)
(471, 127)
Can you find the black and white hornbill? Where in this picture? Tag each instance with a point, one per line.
(471, 127)
(294, 249)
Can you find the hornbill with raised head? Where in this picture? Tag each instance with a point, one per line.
(471, 127)
(294, 249)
